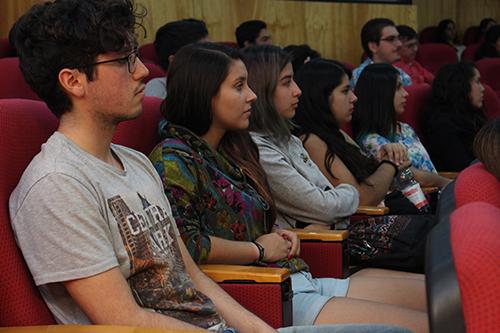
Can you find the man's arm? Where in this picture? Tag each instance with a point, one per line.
(107, 300)
(235, 315)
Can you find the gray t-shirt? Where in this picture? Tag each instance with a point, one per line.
(156, 87)
(75, 216)
(302, 193)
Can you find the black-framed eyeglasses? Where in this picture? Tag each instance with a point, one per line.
(130, 59)
(391, 39)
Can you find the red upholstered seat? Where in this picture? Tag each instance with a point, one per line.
(475, 235)
(416, 102)
(234, 45)
(154, 71)
(428, 35)
(434, 55)
(471, 35)
(148, 53)
(475, 183)
(490, 72)
(12, 83)
(24, 126)
(470, 52)
(491, 102)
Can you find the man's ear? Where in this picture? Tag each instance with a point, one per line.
(72, 81)
(373, 47)
(247, 44)
(170, 59)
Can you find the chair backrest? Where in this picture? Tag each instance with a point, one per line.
(5, 48)
(24, 126)
(471, 35)
(491, 102)
(12, 83)
(148, 53)
(234, 45)
(141, 133)
(428, 35)
(490, 72)
(475, 234)
(154, 71)
(434, 55)
(416, 102)
(470, 52)
(475, 183)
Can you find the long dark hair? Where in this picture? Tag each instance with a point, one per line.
(195, 77)
(317, 79)
(441, 31)
(374, 112)
(450, 96)
(487, 48)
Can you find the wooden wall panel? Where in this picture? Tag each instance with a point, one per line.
(331, 28)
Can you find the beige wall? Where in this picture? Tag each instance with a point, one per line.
(331, 28)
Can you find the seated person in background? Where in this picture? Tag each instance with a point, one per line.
(381, 98)
(224, 208)
(490, 47)
(408, 52)
(326, 104)
(487, 147)
(170, 38)
(91, 217)
(447, 34)
(301, 54)
(381, 43)
(252, 32)
(454, 116)
(484, 26)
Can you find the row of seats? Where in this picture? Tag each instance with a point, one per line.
(473, 226)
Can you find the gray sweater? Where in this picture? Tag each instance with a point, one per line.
(301, 191)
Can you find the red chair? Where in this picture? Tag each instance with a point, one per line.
(5, 48)
(348, 65)
(429, 35)
(12, 83)
(24, 126)
(234, 45)
(148, 53)
(491, 102)
(470, 52)
(434, 55)
(475, 234)
(141, 133)
(471, 35)
(417, 100)
(475, 183)
(154, 71)
(490, 72)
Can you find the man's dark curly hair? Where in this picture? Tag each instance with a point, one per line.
(71, 34)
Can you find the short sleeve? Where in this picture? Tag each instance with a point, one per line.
(61, 230)
(372, 143)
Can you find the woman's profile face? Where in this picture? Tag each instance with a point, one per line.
(476, 90)
(287, 93)
(341, 101)
(231, 106)
(451, 31)
(400, 97)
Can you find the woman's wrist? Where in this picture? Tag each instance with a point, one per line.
(394, 165)
(260, 249)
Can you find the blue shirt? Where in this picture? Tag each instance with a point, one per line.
(405, 78)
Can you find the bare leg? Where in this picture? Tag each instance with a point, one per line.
(346, 310)
(387, 273)
(408, 293)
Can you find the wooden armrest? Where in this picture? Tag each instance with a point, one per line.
(324, 235)
(372, 210)
(430, 189)
(221, 273)
(87, 329)
(450, 175)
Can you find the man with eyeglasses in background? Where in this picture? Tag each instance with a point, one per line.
(381, 43)
(408, 52)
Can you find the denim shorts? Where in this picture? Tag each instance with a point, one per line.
(310, 295)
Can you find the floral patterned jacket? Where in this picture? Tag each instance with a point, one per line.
(209, 194)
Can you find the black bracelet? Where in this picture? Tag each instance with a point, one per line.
(261, 251)
(396, 169)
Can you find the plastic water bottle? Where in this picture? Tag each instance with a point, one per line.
(412, 191)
